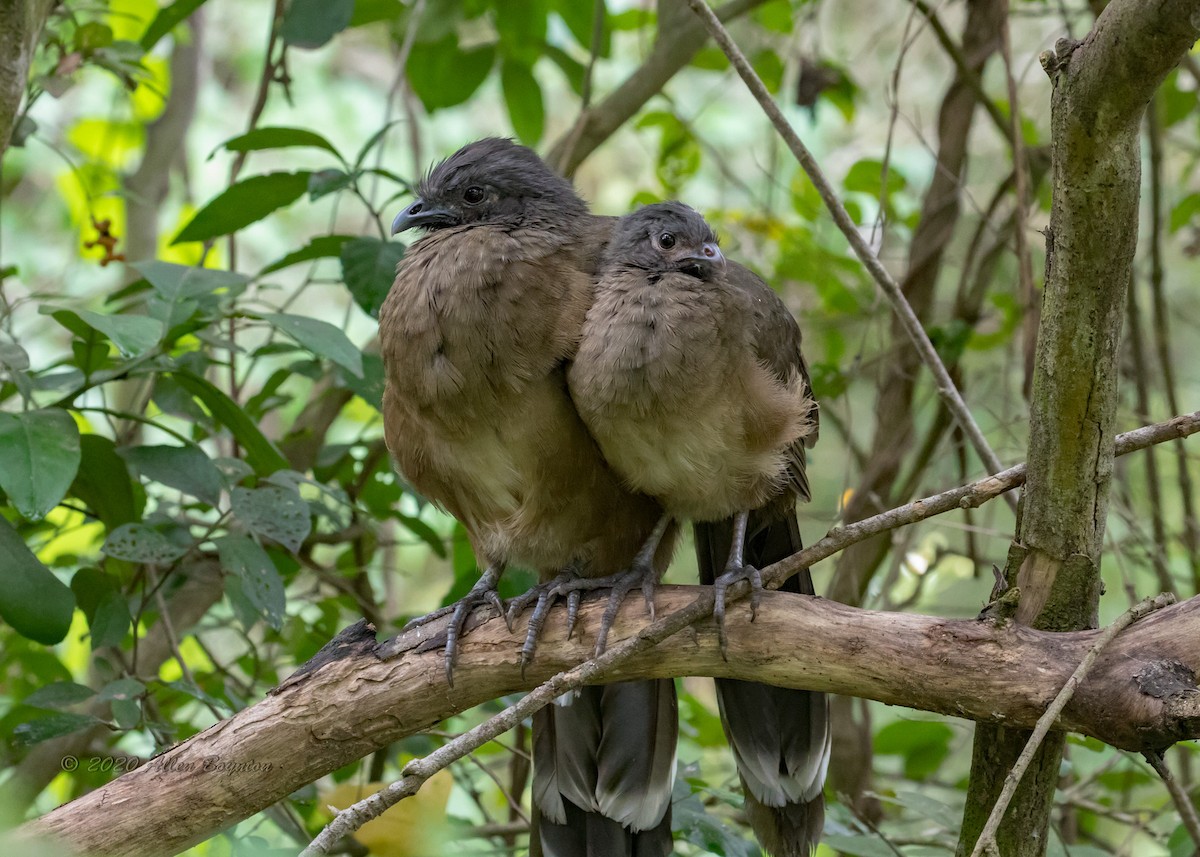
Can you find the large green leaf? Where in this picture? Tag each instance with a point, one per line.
(133, 335)
(261, 453)
(523, 97)
(181, 282)
(32, 600)
(321, 247)
(320, 337)
(187, 468)
(246, 202)
(39, 456)
(142, 543)
(368, 269)
(273, 511)
(278, 138)
(166, 20)
(312, 23)
(443, 75)
(261, 584)
(104, 483)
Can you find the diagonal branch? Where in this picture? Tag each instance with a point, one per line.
(891, 289)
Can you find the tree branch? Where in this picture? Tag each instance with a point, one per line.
(674, 47)
(1142, 694)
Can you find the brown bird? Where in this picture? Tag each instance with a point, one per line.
(690, 377)
(475, 334)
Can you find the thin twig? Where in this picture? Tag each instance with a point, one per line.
(1020, 170)
(562, 163)
(891, 289)
(987, 838)
(1183, 801)
(1162, 338)
(418, 771)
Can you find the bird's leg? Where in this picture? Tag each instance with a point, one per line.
(641, 573)
(735, 571)
(483, 592)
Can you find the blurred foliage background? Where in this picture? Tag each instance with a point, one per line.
(196, 495)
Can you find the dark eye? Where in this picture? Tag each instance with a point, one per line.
(473, 195)
(666, 241)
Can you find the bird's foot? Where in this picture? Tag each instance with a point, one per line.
(543, 597)
(639, 576)
(735, 574)
(483, 592)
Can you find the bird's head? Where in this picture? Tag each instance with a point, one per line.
(491, 182)
(666, 237)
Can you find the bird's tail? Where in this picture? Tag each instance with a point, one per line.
(779, 736)
(604, 766)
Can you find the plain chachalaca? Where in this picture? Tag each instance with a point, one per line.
(690, 377)
(475, 333)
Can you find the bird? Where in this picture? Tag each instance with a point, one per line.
(475, 335)
(690, 377)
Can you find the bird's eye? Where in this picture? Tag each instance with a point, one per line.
(666, 241)
(473, 195)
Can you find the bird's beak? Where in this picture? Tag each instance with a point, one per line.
(420, 213)
(703, 261)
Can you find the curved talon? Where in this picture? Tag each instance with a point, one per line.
(574, 598)
(483, 592)
(751, 575)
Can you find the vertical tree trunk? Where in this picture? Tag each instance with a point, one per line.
(21, 23)
(1101, 88)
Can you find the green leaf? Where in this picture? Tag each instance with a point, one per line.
(184, 282)
(133, 335)
(246, 202)
(321, 247)
(61, 694)
(261, 584)
(371, 11)
(579, 17)
(166, 20)
(312, 23)
(278, 138)
(122, 688)
(443, 76)
(187, 468)
(39, 456)
(523, 97)
(275, 512)
(261, 453)
(368, 269)
(142, 543)
(522, 29)
(866, 176)
(111, 620)
(104, 484)
(924, 745)
(32, 600)
(51, 725)
(324, 182)
(319, 337)
(99, 597)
